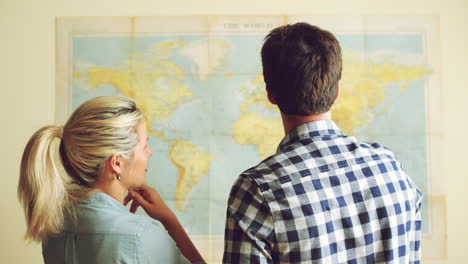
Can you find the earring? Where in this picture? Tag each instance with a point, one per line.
(118, 177)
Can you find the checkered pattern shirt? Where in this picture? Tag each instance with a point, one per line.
(324, 198)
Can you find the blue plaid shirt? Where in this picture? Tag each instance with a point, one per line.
(324, 198)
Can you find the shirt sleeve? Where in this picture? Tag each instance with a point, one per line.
(157, 246)
(415, 243)
(249, 232)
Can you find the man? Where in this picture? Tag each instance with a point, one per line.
(323, 197)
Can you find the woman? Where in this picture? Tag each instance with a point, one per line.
(73, 182)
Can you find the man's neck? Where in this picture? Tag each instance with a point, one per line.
(292, 121)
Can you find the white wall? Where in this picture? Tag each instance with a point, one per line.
(27, 76)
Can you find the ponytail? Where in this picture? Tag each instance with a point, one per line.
(60, 166)
(42, 186)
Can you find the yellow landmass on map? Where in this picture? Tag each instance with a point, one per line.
(156, 95)
(362, 89)
(253, 129)
(154, 82)
(161, 51)
(192, 164)
(150, 79)
(255, 94)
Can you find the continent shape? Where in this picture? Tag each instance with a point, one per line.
(207, 54)
(363, 89)
(192, 164)
(154, 82)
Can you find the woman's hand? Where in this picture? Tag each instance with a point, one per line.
(155, 207)
(152, 203)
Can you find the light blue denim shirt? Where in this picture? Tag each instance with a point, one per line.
(106, 232)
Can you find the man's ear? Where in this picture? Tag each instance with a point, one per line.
(270, 96)
(338, 91)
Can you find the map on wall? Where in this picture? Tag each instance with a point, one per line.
(199, 83)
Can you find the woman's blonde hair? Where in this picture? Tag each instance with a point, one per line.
(60, 165)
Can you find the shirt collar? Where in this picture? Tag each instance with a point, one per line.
(104, 200)
(321, 128)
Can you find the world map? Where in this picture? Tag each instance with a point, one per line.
(204, 101)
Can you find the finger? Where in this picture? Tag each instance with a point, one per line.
(134, 206)
(128, 198)
(144, 193)
(145, 188)
(141, 200)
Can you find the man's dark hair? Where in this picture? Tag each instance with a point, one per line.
(301, 67)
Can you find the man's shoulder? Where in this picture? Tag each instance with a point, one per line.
(314, 157)
(263, 169)
(267, 175)
(376, 148)
(321, 152)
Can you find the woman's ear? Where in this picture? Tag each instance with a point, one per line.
(115, 164)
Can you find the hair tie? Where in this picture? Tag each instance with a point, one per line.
(60, 133)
